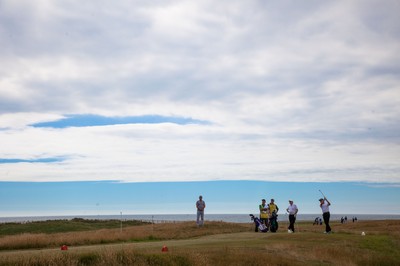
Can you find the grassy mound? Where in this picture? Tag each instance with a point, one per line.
(60, 226)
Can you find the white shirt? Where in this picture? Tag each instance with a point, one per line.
(325, 207)
(292, 209)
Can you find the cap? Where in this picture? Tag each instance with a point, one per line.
(290, 200)
(263, 200)
(321, 199)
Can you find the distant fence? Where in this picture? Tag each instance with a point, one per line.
(152, 221)
(158, 221)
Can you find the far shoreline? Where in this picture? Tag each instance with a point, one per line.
(161, 218)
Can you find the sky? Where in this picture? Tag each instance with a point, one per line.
(164, 95)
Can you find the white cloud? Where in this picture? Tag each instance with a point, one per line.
(304, 91)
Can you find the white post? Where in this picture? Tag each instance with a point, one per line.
(152, 224)
(121, 222)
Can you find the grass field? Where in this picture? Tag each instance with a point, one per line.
(59, 226)
(216, 243)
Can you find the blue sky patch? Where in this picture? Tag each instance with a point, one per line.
(105, 197)
(39, 160)
(97, 120)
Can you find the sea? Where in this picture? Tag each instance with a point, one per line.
(163, 218)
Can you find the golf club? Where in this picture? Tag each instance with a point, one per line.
(322, 193)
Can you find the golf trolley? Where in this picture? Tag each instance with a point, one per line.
(261, 227)
(273, 222)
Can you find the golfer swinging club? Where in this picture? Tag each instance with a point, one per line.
(324, 204)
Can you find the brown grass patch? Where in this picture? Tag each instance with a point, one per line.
(129, 234)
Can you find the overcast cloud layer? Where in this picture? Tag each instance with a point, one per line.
(284, 90)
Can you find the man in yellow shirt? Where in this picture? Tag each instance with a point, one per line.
(273, 211)
(264, 213)
(273, 207)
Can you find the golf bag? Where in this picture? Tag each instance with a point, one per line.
(317, 221)
(273, 222)
(261, 227)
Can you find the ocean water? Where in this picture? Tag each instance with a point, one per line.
(233, 218)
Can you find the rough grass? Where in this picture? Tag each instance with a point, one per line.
(229, 244)
(60, 226)
(138, 233)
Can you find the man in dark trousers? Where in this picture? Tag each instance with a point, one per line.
(292, 210)
(324, 204)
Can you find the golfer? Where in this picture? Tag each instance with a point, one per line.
(200, 205)
(324, 204)
(292, 210)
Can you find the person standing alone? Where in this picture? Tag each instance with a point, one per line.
(324, 204)
(200, 205)
(292, 210)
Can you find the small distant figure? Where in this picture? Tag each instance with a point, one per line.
(342, 220)
(324, 204)
(200, 205)
(317, 221)
(353, 219)
(345, 219)
(273, 216)
(292, 210)
(264, 214)
(273, 208)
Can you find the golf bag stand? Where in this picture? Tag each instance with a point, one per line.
(273, 222)
(261, 227)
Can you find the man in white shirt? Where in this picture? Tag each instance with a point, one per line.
(292, 210)
(324, 204)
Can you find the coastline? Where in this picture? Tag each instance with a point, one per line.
(233, 218)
